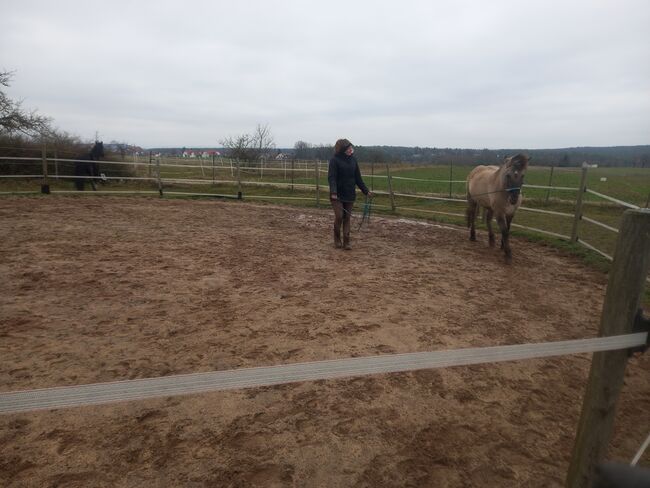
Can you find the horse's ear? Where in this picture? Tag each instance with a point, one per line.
(521, 161)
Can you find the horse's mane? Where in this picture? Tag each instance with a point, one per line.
(519, 161)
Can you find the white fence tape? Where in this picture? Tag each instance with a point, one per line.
(611, 199)
(101, 393)
(600, 224)
(595, 249)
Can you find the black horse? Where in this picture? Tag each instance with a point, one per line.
(86, 166)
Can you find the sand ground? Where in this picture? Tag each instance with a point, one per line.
(100, 289)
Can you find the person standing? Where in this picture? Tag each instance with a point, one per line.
(343, 176)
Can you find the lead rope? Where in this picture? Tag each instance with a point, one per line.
(367, 207)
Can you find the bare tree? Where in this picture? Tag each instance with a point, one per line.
(323, 151)
(263, 140)
(250, 146)
(301, 150)
(14, 119)
(239, 146)
(122, 147)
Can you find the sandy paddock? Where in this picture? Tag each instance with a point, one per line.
(97, 289)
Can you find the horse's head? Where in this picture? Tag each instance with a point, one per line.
(97, 151)
(514, 172)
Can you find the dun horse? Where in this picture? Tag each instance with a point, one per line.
(498, 190)
(86, 166)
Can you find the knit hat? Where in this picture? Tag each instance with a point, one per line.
(341, 146)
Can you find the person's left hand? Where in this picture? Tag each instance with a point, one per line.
(370, 194)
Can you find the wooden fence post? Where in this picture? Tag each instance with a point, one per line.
(149, 167)
(578, 211)
(239, 192)
(451, 174)
(213, 168)
(317, 171)
(624, 288)
(292, 163)
(390, 189)
(550, 183)
(160, 186)
(45, 185)
(56, 163)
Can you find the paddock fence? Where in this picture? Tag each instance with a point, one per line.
(622, 329)
(566, 216)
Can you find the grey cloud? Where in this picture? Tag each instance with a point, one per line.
(471, 74)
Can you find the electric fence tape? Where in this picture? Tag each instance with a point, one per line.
(140, 389)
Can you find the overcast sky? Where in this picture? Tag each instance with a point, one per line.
(475, 74)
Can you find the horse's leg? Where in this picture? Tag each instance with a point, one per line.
(78, 182)
(505, 241)
(95, 172)
(472, 210)
(90, 170)
(488, 221)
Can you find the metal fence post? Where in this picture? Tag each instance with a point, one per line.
(620, 311)
(578, 211)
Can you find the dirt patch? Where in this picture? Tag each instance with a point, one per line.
(100, 289)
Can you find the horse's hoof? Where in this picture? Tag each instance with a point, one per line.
(472, 238)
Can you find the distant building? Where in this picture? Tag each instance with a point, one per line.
(190, 153)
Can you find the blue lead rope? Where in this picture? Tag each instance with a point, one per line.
(367, 206)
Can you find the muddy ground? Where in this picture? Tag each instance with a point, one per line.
(99, 289)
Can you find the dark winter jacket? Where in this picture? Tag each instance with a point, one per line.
(343, 175)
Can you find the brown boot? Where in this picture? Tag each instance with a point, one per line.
(346, 243)
(337, 241)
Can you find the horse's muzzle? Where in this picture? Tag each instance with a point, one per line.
(513, 195)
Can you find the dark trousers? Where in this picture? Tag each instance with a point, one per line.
(342, 214)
